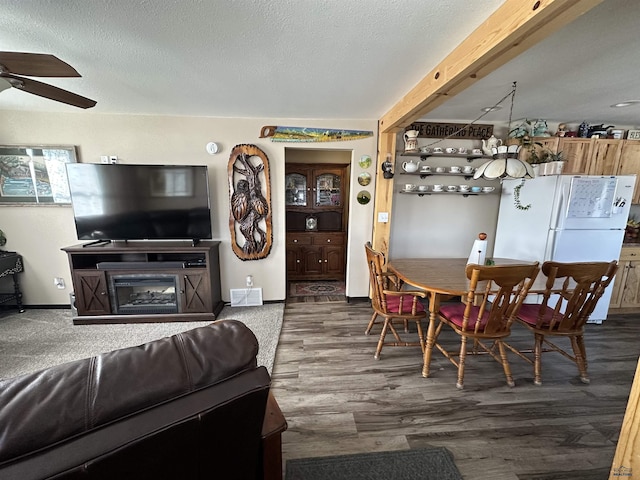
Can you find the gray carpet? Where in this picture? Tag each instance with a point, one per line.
(40, 338)
(419, 464)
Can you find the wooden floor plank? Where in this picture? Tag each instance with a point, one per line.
(338, 399)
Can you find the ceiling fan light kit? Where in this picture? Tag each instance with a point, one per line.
(13, 64)
(505, 163)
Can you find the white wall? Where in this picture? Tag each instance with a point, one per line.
(39, 232)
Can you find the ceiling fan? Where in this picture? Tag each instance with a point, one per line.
(13, 64)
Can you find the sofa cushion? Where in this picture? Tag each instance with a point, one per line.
(42, 408)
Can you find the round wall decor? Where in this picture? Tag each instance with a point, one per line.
(365, 161)
(363, 197)
(364, 179)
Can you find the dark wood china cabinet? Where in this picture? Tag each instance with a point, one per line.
(315, 203)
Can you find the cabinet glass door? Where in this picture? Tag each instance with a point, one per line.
(296, 189)
(328, 190)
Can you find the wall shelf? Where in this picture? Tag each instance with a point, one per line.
(423, 156)
(431, 192)
(467, 176)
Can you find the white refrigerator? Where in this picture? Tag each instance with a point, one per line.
(570, 219)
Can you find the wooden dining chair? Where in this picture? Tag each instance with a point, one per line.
(571, 293)
(485, 313)
(392, 303)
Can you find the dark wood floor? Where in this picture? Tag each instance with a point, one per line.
(338, 400)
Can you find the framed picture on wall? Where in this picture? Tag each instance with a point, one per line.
(35, 174)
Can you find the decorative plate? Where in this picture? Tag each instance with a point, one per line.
(364, 179)
(365, 161)
(363, 197)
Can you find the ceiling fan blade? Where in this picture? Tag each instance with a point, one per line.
(36, 65)
(48, 91)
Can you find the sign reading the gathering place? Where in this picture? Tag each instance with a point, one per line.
(451, 130)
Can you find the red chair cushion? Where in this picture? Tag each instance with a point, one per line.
(454, 312)
(529, 314)
(393, 303)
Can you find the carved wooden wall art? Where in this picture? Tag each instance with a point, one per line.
(249, 202)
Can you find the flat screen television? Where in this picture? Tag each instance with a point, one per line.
(140, 202)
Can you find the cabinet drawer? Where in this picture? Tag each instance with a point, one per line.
(304, 239)
(328, 239)
(630, 253)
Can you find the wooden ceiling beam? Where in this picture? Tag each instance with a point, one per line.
(513, 28)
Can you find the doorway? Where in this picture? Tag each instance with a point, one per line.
(317, 206)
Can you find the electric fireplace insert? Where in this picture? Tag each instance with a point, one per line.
(139, 294)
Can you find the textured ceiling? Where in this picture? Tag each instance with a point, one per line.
(332, 59)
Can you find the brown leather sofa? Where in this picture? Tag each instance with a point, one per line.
(189, 406)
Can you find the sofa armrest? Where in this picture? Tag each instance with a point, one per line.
(272, 427)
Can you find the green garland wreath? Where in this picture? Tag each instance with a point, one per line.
(516, 197)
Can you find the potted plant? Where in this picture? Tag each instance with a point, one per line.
(554, 163)
(545, 162)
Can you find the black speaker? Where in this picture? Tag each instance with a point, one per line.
(72, 302)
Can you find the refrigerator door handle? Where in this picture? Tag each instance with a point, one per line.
(559, 210)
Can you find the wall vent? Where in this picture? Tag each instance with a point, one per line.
(246, 297)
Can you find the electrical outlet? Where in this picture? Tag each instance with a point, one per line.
(59, 282)
(104, 159)
(249, 280)
(113, 159)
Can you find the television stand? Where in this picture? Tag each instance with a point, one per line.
(144, 281)
(96, 243)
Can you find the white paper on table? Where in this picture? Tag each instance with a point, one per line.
(478, 252)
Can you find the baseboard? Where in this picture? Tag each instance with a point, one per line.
(41, 307)
(358, 299)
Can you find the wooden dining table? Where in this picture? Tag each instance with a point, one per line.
(444, 277)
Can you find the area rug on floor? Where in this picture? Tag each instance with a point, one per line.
(305, 289)
(40, 338)
(420, 464)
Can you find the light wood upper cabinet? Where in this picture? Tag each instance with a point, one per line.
(605, 157)
(577, 154)
(630, 164)
(547, 143)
